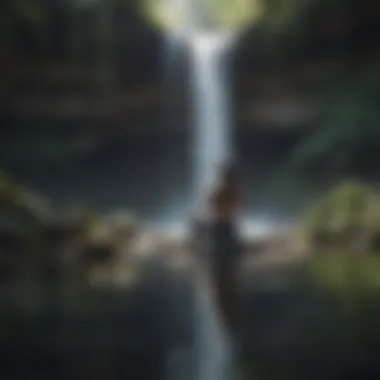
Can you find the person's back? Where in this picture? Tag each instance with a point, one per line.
(226, 198)
(225, 247)
(225, 202)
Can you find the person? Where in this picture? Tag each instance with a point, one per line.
(224, 244)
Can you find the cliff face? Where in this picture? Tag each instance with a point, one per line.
(279, 69)
(274, 83)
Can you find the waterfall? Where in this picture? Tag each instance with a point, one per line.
(207, 49)
(214, 353)
(212, 138)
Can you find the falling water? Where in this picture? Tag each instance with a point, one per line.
(212, 145)
(211, 109)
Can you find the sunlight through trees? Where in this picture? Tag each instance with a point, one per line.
(217, 14)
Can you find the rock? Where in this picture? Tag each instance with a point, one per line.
(99, 253)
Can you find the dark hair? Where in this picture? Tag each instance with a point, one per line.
(229, 172)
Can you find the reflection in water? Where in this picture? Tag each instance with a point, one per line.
(214, 354)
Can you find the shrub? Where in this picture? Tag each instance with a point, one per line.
(348, 217)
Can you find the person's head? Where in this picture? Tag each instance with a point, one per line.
(229, 173)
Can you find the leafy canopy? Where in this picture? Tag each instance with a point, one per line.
(207, 14)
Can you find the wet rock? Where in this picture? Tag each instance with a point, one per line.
(100, 253)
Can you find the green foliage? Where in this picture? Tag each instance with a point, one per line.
(293, 15)
(348, 135)
(213, 14)
(349, 128)
(10, 194)
(348, 217)
(234, 14)
(42, 151)
(23, 203)
(17, 15)
(346, 275)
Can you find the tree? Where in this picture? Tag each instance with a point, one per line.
(347, 217)
(349, 130)
(106, 43)
(15, 16)
(207, 14)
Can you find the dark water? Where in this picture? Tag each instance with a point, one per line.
(150, 174)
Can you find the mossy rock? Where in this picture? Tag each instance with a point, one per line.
(349, 215)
